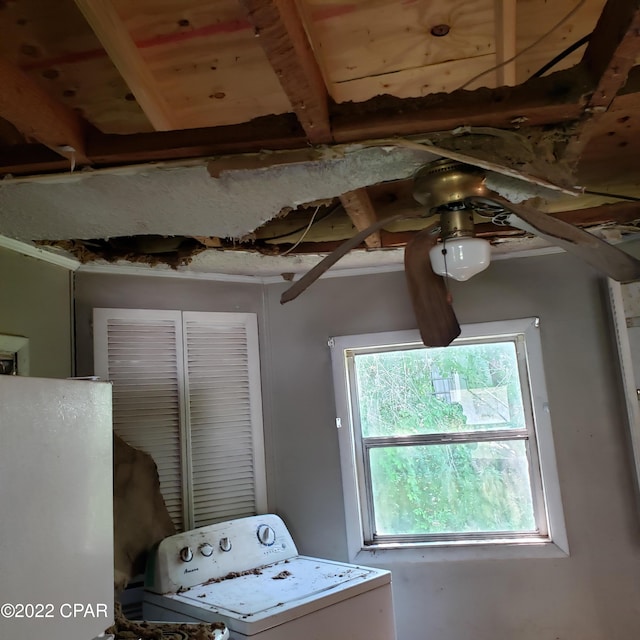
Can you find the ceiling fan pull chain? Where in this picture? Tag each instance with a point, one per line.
(446, 268)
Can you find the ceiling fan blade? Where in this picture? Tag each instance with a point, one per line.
(312, 275)
(431, 301)
(613, 262)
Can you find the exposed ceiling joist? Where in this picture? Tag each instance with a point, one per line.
(620, 212)
(612, 49)
(553, 99)
(112, 33)
(282, 35)
(31, 158)
(609, 57)
(38, 116)
(557, 98)
(268, 132)
(359, 208)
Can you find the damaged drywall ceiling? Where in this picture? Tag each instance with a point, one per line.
(187, 200)
(200, 202)
(245, 264)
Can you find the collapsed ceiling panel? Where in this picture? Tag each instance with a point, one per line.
(99, 86)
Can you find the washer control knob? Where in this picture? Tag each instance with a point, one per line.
(186, 555)
(266, 535)
(206, 549)
(225, 544)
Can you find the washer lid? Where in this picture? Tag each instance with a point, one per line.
(296, 586)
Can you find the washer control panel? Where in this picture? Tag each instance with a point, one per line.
(200, 555)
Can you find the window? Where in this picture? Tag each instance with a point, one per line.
(14, 355)
(186, 389)
(447, 446)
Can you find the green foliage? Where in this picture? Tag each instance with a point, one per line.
(471, 487)
(397, 392)
(445, 487)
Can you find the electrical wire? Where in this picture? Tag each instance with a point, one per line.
(331, 211)
(561, 56)
(535, 43)
(604, 194)
(301, 238)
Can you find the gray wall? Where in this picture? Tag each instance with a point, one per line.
(592, 595)
(35, 302)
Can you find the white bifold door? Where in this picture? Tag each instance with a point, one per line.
(186, 389)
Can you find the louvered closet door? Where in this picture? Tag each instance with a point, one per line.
(224, 409)
(186, 389)
(141, 353)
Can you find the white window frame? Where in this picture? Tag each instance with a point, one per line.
(625, 309)
(19, 347)
(551, 542)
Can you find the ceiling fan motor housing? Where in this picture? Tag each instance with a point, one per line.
(456, 223)
(443, 186)
(445, 182)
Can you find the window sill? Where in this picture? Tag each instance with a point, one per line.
(391, 554)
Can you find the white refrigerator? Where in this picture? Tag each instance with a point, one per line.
(56, 511)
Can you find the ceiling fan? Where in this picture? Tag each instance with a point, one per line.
(455, 191)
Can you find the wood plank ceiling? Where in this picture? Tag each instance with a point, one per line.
(103, 83)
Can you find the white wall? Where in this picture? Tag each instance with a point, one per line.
(35, 302)
(592, 595)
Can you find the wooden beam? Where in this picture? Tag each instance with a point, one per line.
(550, 100)
(620, 212)
(505, 26)
(112, 33)
(613, 49)
(359, 208)
(268, 132)
(31, 158)
(610, 55)
(283, 37)
(556, 98)
(39, 116)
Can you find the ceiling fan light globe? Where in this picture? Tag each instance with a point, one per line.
(460, 258)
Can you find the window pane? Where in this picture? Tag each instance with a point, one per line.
(452, 488)
(457, 388)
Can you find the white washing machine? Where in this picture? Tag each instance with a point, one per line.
(247, 573)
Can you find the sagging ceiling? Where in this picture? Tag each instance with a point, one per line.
(251, 135)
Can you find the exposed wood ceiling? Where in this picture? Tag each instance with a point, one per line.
(90, 85)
